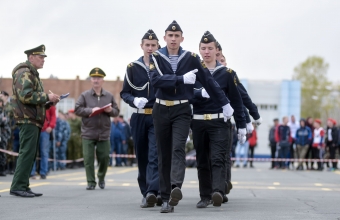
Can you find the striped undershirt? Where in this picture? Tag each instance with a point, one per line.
(211, 70)
(173, 62)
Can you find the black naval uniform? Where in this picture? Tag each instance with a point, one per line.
(211, 135)
(172, 112)
(137, 84)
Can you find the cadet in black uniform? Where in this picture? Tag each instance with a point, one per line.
(209, 129)
(172, 72)
(139, 94)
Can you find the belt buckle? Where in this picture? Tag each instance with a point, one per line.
(169, 103)
(207, 116)
(148, 111)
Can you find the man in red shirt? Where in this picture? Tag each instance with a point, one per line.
(44, 148)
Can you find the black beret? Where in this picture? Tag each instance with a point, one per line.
(4, 93)
(40, 50)
(174, 27)
(219, 46)
(97, 72)
(207, 38)
(150, 35)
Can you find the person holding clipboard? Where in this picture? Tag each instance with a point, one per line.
(95, 106)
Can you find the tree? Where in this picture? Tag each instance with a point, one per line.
(315, 86)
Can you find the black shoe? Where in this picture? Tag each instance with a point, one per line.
(21, 194)
(227, 188)
(159, 200)
(101, 184)
(230, 185)
(90, 187)
(175, 196)
(237, 166)
(35, 194)
(203, 203)
(225, 199)
(151, 199)
(43, 177)
(166, 208)
(217, 199)
(145, 204)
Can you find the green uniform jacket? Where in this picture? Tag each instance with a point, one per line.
(29, 98)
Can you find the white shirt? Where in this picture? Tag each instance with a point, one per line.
(293, 128)
(329, 136)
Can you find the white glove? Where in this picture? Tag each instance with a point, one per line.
(190, 77)
(228, 111)
(242, 135)
(258, 121)
(140, 102)
(250, 128)
(205, 94)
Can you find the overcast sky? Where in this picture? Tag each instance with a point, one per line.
(263, 39)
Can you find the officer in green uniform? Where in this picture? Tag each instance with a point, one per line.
(28, 103)
(5, 134)
(74, 150)
(8, 112)
(96, 128)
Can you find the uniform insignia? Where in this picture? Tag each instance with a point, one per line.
(150, 37)
(230, 70)
(43, 48)
(193, 54)
(151, 66)
(173, 27)
(205, 39)
(155, 54)
(235, 80)
(130, 65)
(203, 65)
(96, 69)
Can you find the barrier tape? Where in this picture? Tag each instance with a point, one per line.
(194, 158)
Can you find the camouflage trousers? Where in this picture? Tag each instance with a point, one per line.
(3, 155)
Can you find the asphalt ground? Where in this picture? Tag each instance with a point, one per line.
(258, 193)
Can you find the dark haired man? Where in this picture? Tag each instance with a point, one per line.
(139, 94)
(210, 133)
(172, 72)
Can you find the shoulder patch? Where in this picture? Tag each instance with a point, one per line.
(203, 65)
(230, 70)
(155, 54)
(151, 66)
(130, 65)
(193, 54)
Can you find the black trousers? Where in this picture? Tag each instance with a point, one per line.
(251, 149)
(228, 162)
(310, 154)
(273, 152)
(316, 155)
(332, 150)
(171, 129)
(210, 141)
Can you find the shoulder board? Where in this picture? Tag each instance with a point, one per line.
(193, 54)
(155, 54)
(203, 64)
(230, 70)
(130, 65)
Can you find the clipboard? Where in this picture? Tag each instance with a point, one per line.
(63, 96)
(100, 110)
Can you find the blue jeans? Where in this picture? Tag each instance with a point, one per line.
(61, 154)
(124, 151)
(117, 147)
(284, 152)
(44, 154)
(242, 151)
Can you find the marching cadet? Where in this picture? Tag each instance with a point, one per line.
(95, 130)
(5, 136)
(139, 94)
(173, 74)
(28, 102)
(209, 129)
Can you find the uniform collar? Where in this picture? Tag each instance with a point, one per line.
(32, 67)
(103, 92)
(164, 50)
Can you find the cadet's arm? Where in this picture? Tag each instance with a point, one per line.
(125, 94)
(24, 88)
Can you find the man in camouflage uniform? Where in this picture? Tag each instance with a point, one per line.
(29, 103)
(5, 134)
(62, 133)
(74, 149)
(8, 111)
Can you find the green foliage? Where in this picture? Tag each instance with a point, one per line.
(315, 86)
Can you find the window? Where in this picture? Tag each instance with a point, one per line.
(66, 104)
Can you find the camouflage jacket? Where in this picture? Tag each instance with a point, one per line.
(10, 115)
(5, 129)
(62, 131)
(28, 100)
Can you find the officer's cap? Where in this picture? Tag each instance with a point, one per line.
(174, 27)
(207, 38)
(37, 51)
(97, 72)
(150, 35)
